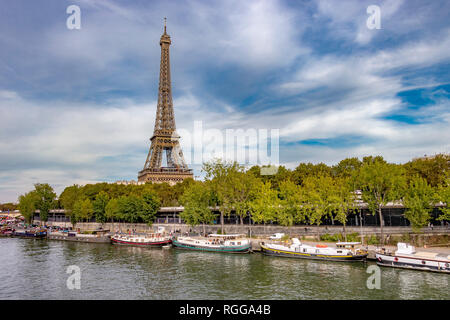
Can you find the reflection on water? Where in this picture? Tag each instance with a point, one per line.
(37, 270)
(411, 284)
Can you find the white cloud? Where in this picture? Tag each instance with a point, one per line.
(348, 17)
(338, 94)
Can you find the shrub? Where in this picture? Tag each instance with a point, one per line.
(405, 238)
(373, 240)
(353, 237)
(329, 237)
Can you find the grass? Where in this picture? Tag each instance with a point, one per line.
(352, 237)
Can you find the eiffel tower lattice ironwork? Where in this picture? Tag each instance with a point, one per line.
(165, 139)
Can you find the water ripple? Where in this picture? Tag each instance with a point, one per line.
(36, 269)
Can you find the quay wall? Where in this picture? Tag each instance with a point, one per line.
(252, 230)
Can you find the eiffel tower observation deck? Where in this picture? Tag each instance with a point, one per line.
(165, 141)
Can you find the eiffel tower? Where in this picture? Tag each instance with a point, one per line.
(165, 139)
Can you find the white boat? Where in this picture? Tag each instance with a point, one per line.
(344, 251)
(407, 257)
(141, 240)
(215, 243)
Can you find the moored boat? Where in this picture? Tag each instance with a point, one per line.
(6, 232)
(30, 233)
(232, 243)
(344, 251)
(407, 257)
(141, 240)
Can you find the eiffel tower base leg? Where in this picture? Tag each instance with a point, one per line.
(168, 175)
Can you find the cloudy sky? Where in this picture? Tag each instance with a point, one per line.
(78, 106)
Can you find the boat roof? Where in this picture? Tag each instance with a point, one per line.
(426, 254)
(225, 235)
(348, 242)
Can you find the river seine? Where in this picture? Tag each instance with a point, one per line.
(36, 269)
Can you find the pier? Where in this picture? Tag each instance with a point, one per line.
(78, 238)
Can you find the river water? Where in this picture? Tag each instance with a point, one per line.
(36, 269)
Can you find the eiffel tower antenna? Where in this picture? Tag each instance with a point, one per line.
(165, 141)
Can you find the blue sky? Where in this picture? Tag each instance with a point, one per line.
(78, 106)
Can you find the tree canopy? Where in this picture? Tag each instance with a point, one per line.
(309, 193)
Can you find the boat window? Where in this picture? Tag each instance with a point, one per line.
(304, 250)
(238, 243)
(339, 251)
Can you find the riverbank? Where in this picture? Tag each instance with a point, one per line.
(304, 230)
(38, 270)
(368, 235)
(78, 237)
(256, 246)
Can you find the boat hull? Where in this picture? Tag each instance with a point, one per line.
(299, 255)
(6, 234)
(30, 235)
(228, 249)
(412, 263)
(141, 244)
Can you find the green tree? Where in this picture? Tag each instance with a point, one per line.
(305, 170)
(319, 201)
(196, 199)
(112, 210)
(151, 206)
(443, 195)
(82, 210)
(433, 169)
(418, 201)
(292, 207)
(67, 200)
(281, 174)
(132, 208)
(99, 206)
(27, 205)
(346, 168)
(218, 174)
(129, 208)
(8, 206)
(380, 183)
(239, 186)
(342, 199)
(265, 205)
(46, 201)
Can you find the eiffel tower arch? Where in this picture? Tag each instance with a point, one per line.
(165, 143)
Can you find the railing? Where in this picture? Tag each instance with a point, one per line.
(168, 169)
(168, 220)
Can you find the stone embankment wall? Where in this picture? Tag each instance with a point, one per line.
(250, 230)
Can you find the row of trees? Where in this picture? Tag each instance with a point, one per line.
(311, 193)
(306, 194)
(42, 198)
(104, 202)
(9, 206)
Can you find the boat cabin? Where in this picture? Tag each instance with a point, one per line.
(226, 236)
(348, 245)
(405, 248)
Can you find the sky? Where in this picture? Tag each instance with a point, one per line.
(77, 106)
